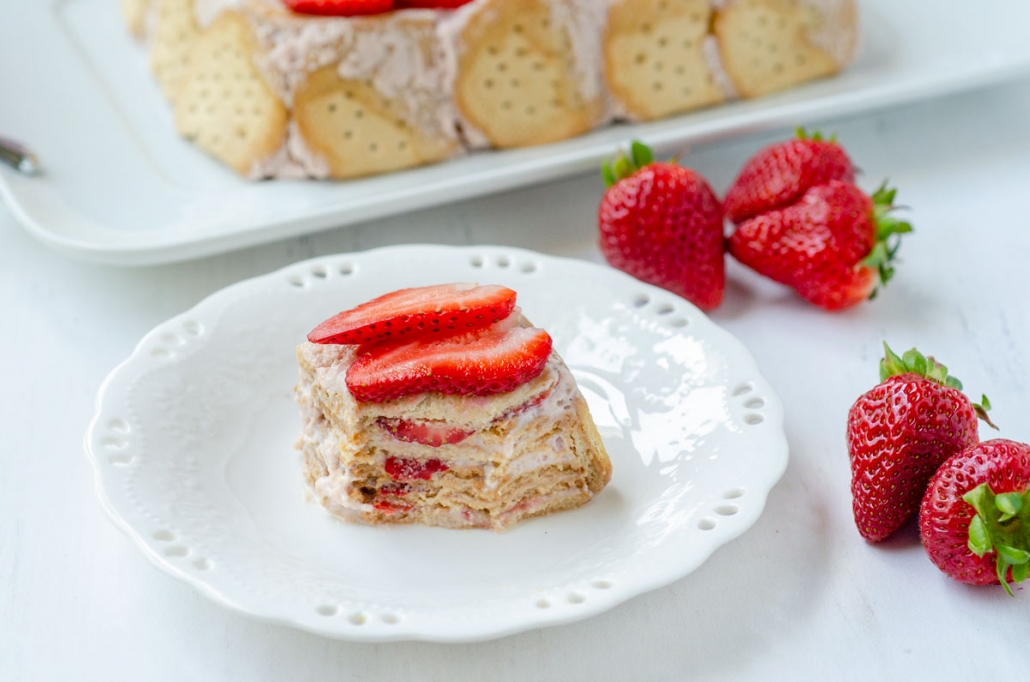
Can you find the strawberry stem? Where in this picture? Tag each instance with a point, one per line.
(624, 165)
(816, 135)
(914, 362)
(888, 234)
(641, 153)
(1001, 525)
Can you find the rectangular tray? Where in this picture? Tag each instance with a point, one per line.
(121, 187)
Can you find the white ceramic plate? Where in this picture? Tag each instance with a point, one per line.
(192, 444)
(121, 187)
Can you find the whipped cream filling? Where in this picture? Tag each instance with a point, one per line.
(333, 489)
(494, 457)
(713, 60)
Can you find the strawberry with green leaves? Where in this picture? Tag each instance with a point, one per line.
(975, 517)
(834, 246)
(662, 223)
(899, 433)
(778, 175)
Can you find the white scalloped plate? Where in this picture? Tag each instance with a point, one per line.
(192, 444)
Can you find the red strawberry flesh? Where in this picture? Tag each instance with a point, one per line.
(391, 508)
(433, 434)
(470, 365)
(779, 174)
(409, 469)
(420, 312)
(341, 8)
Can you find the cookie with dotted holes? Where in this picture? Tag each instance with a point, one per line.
(516, 79)
(173, 34)
(358, 130)
(767, 45)
(224, 104)
(653, 57)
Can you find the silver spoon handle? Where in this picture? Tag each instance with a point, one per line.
(18, 157)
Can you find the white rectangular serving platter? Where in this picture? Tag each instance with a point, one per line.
(121, 187)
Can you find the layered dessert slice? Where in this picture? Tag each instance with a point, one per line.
(443, 406)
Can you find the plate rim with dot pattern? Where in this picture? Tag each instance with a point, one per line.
(591, 310)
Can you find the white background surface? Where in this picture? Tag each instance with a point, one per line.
(798, 596)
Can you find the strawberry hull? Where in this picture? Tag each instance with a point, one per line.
(945, 517)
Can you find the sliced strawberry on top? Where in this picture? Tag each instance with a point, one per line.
(487, 364)
(340, 8)
(433, 434)
(438, 310)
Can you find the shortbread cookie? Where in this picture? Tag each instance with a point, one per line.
(654, 57)
(518, 81)
(380, 102)
(771, 45)
(172, 36)
(224, 103)
(134, 12)
(356, 129)
(274, 93)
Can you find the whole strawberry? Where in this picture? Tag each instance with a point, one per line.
(661, 223)
(975, 517)
(778, 175)
(899, 433)
(834, 246)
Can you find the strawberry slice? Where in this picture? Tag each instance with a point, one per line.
(487, 364)
(433, 434)
(528, 405)
(340, 8)
(407, 314)
(395, 489)
(391, 508)
(408, 469)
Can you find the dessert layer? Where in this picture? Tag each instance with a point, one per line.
(483, 462)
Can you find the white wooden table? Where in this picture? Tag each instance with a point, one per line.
(798, 596)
